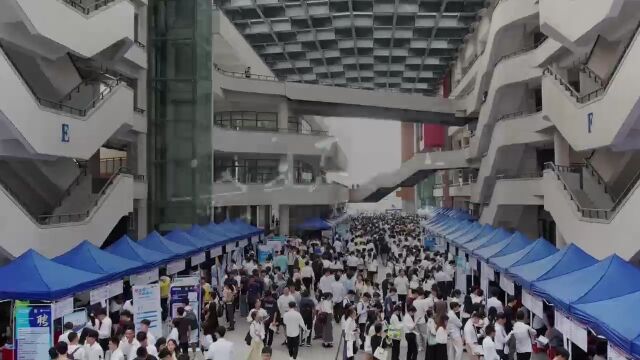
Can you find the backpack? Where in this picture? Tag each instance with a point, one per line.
(72, 356)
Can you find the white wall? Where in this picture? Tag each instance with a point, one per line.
(20, 233)
(372, 147)
(59, 22)
(230, 194)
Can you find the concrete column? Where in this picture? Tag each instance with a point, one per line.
(260, 220)
(283, 114)
(560, 240)
(141, 221)
(290, 170)
(141, 154)
(562, 150)
(284, 219)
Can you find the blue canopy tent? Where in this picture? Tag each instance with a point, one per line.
(567, 260)
(214, 238)
(616, 319)
(474, 227)
(515, 242)
(37, 278)
(610, 285)
(460, 228)
(446, 224)
(88, 257)
(172, 250)
(250, 229)
(539, 249)
(225, 230)
(241, 231)
(494, 237)
(185, 239)
(314, 224)
(474, 235)
(127, 248)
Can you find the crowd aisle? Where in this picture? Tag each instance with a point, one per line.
(372, 291)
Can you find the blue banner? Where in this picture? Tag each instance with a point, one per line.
(33, 331)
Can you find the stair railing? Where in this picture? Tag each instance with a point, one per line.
(80, 216)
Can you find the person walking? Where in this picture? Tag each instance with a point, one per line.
(293, 323)
(395, 332)
(523, 335)
(410, 333)
(256, 331)
(441, 339)
(228, 296)
(454, 325)
(325, 320)
(307, 310)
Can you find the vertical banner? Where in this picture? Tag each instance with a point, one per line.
(146, 305)
(215, 277)
(507, 285)
(223, 264)
(33, 331)
(186, 291)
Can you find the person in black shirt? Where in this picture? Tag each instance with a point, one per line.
(386, 284)
(509, 312)
(307, 310)
(377, 339)
(270, 305)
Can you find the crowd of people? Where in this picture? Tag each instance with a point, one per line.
(375, 284)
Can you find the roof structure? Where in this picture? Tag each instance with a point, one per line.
(391, 45)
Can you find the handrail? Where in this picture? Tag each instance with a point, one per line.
(87, 9)
(55, 104)
(466, 69)
(601, 181)
(518, 114)
(592, 74)
(524, 175)
(75, 182)
(521, 51)
(253, 76)
(75, 217)
(274, 130)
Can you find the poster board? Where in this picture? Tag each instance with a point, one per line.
(182, 292)
(146, 305)
(78, 318)
(62, 307)
(33, 329)
(145, 277)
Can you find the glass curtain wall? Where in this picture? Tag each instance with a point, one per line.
(181, 108)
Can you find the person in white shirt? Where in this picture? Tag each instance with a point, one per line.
(144, 327)
(350, 333)
(454, 325)
(362, 309)
(494, 302)
(293, 323)
(401, 283)
(307, 275)
(441, 338)
(74, 350)
(395, 331)
(257, 333)
(421, 304)
(410, 332)
(104, 327)
(114, 352)
(338, 292)
(523, 334)
(488, 346)
(284, 300)
(500, 339)
(325, 281)
(221, 349)
(142, 342)
(470, 334)
(92, 350)
(68, 328)
(128, 341)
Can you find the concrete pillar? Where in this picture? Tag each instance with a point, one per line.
(260, 220)
(560, 240)
(141, 154)
(283, 114)
(290, 169)
(284, 219)
(141, 221)
(562, 150)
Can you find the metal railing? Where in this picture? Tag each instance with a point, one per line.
(80, 216)
(87, 9)
(520, 51)
(274, 130)
(235, 120)
(519, 114)
(139, 178)
(252, 76)
(109, 166)
(599, 179)
(468, 67)
(523, 175)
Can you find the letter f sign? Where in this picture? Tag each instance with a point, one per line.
(65, 133)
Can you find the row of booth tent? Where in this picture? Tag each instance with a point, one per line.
(32, 276)
(601, 295)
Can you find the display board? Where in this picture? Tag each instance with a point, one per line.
(146, 305)
(33, 331)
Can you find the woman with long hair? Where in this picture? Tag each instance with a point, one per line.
(440, 348)
(256, 331)
(429, 353)
(172, 346)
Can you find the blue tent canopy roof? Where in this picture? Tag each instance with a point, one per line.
(250, 229)
(460, 227)
(227, 231)
(232, 227)
(569, 259)
(38, 278)
(471, 236)
(185, 239)
(515, 242)
(156, 242)
(612, 283)
(88, 257)
(127, 248)
(495, 237)
(470, 229)
(314, 224)
(535, 251)
(616, 319)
